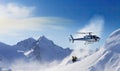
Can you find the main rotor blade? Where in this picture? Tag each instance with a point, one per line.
(84, 32)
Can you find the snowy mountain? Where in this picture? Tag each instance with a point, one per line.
(8, 54)
(110, 60)
(45, 50)
(26, 44)
(31, 49)
(107, 58)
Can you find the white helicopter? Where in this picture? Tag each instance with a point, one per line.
(89, 38)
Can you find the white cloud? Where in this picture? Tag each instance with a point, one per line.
(14, 18)
(15, 11)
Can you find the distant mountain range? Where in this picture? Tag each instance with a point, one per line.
(43, 50)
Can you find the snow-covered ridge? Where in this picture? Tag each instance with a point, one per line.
(42, 49)
(45, 50)
(26, 44)
(113, 42)
(107, 58)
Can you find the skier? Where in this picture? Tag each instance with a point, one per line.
(74, 59)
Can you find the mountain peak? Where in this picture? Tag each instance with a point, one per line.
(46, 51)
(26, 44)
(26, 41)
(113, 42)
(30, 38)
(43, 39)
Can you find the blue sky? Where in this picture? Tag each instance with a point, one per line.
(55, 19)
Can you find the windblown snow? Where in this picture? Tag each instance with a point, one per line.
(107, 58)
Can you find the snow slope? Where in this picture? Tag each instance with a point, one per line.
(107, 58)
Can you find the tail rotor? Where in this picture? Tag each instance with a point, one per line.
(71, 39)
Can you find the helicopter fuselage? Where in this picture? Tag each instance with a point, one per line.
(87, 38)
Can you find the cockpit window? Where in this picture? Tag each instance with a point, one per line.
(94, 36)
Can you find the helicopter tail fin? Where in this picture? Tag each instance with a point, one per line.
(71, 39)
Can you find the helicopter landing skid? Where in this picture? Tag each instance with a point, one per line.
(86, 43)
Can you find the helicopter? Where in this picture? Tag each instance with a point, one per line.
(89, 38)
